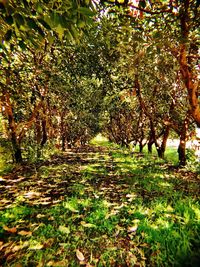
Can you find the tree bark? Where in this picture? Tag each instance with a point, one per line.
(44, 133)
(11, 121)
(162, 148)
(182, 144)
(190, 78)
(16, 149)
(191, 82)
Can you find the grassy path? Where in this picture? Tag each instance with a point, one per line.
(99, 206)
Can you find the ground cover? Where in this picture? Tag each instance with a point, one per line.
(100, 206)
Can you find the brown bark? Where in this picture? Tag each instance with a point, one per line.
(12, 128)
(62, 130)
(182, 144)
(44, 133)
(189, 75)
(190, 78)
(191, 82)
(23, 127)
(11, 121)
(162, 148)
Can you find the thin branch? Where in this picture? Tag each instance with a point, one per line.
(149, 11)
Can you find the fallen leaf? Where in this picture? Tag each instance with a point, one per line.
(10, 230)
(88, 225)
(80, 255)
(24, 233)
(64, 229)
(70, 207)
(132, 229)
(144, 245)
(131, 258)
(17, 248)
(49, 243)
(62, 263)
(36, 246)
(40, 216)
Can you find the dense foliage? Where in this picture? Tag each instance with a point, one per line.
(72, 69)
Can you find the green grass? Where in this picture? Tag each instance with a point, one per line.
(118, 210)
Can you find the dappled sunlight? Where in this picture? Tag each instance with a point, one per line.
(121, 204)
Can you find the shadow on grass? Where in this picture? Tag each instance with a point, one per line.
(117, 209)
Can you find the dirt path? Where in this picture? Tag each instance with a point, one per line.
(94, 168)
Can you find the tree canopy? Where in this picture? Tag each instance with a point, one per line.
(71, 69)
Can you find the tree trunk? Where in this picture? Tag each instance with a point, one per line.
(190, 76)
(150, 144)
(16, 149)
(182, 144)
(44, 133)
(181, 152)
(63, 142)
(12, 127)
(141, 146)
(191, 83)
(162, 148)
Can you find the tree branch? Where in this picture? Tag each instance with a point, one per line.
(149, 11)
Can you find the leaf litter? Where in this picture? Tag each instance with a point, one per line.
(115, 227)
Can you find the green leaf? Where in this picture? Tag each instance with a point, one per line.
(68, 35)
(39, 8)
(51, 38)
(55, 19)
(60, 31)
(81, 23)
(74, 32)
(86, 11)
(2, 46)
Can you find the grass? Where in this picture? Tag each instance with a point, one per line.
(106, 208)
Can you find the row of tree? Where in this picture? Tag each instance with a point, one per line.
(72, 69)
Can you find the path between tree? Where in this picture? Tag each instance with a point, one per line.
(121, 182)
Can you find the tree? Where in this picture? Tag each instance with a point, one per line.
(172, 24)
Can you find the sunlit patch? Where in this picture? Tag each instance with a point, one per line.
(161, 222)
(197, 212)
(165, 184)
(131, 196)
(107, 205)
(32, 194)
